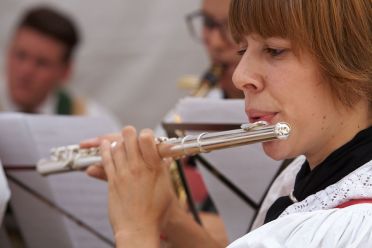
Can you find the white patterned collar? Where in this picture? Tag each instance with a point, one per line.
(356, 185)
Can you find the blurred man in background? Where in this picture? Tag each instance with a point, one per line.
(39, 64)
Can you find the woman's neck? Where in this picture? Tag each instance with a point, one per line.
(352, 121)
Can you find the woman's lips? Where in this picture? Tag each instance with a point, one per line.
(255, 115)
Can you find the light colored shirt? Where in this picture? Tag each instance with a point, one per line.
(282, 186)
(316, 222)
(346, 227)
(49, 105)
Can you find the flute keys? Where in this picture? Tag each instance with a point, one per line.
(250, 126)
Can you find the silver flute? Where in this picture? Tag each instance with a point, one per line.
(71, 158)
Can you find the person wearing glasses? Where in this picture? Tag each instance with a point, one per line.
(209, 25)
(304, 62)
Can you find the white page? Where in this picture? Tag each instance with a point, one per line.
(4, 193)
(75, 192)
(247, 167)
(54, 131)
(17, 147)
(208, 110)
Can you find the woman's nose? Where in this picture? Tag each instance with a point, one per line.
(248, 75)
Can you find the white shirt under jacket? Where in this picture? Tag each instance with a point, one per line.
(92, 108)
(316, 222)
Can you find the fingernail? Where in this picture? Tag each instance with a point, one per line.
(105, 142)
(92, 140)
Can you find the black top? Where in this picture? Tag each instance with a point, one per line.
(336, 166)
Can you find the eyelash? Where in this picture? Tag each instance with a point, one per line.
(274, 52)
(241, 52)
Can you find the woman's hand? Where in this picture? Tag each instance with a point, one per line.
(140, 191)
(97, 170)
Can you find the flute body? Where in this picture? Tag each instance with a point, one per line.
(69, 158)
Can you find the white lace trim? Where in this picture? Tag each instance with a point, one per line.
(356, 185)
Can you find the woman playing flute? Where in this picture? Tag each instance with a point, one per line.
(307, 63)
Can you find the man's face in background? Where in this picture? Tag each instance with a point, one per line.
(35, 67)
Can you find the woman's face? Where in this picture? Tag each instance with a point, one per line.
(281, 86)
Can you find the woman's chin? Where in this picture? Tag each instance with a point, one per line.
(275, 150)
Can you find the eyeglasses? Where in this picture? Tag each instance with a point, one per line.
(198, 21)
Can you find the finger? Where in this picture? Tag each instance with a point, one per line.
(167, 163)
(96, 172)
(148, 148)
(95, 142)
(107, 161)
(131, 145)
(119, 156)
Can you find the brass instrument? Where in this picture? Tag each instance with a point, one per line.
(209, 80)
(69, 158)
(200, 87)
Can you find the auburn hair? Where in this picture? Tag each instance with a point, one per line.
(336, 32)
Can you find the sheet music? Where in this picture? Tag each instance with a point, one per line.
(247, 166)
(4, 193)
(207, 110)
(76, 193)
(16, 141)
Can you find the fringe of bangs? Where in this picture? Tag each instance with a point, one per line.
(267, 18)
(291, 19)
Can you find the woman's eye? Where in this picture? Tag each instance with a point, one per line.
(241, 52)
(275, 52)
